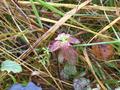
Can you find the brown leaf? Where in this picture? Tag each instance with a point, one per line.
(103, 51)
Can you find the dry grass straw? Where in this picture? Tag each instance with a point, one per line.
(95, 7)
(52, 30)
(106, 27)
(92, 70)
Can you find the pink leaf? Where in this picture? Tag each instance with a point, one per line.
(55, 46)
(73, 40)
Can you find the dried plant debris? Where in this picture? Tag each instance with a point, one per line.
(102, 51)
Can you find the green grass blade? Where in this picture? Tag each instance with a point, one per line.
(91, 44)
(45, 4)
(36, 13)
(50, 7)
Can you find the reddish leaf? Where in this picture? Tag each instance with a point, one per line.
(103, 51)
(69, 54)
(73, 40)
(55, 46)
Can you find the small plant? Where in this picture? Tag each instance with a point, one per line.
(68, 71)
(44, 58)
(63, 44)
(11, 66)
